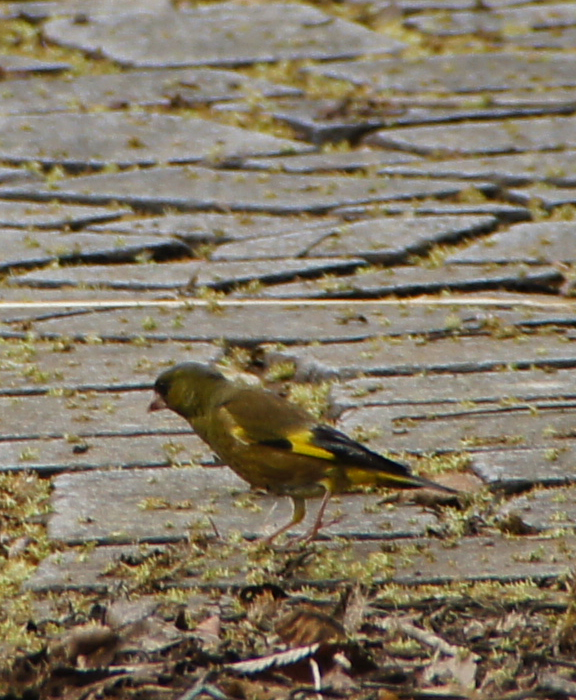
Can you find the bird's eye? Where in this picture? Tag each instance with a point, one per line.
(161, 386)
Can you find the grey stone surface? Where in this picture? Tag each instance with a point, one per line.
(512, 470)
(225, 34)
(498, 21)
(13, 65)
(474, 388)
(197, 229)
(24, 299)
(85, 414)
(490, 558)
(555, 167)
(557, 38)
(533, 134)
(14, 175)
(477, 387)
(30, 215)
(280, 245)
(251, 324)
(186, 497)
(145, 88)
(505, 212)
(413, 6)
(321, 162)
(472, 72)
(169, 276)
(88, 367)
(407, 355)
(186, 276)
(37, 10)
(323, 121)
(410, 562)
(25, 249)
(67, 571)
(532, 243)
(410, 280)
(388, 241)
(57, 455)
(448, 428)
(378, 241)
(135, 138)
(539, 511)
(194, 188)
(545, 196)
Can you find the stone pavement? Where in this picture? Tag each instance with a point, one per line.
(377, 199)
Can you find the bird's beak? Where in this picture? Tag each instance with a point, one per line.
(157, 403)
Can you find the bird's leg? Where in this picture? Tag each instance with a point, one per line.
(319, 522)
(298, 513)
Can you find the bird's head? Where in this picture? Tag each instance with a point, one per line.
(186, 389)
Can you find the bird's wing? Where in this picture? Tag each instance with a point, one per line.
(261, 417)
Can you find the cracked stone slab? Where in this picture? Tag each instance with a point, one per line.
(87, 367)
(14, 66)
(110, 507)
(54, 456)
(15, 175)
(185, 276)
(133, 138)
(173, 276)
(522, 168)
(182, 87)
(411, 562)
(545, 196)
(413, 280)
(512, 135)
(379, 241)
(503, 211)
(444, 428)
(523, 20)
(476, 387)
(197, 229)
(515, 470)
(388, 241)
(84, 414)
(35, 248)
(346, 161)
(194, 188)
(28, 300)
(413, 6)
(226, 34)
(541, 511)
(39, 10)
(558, 38)
(52, 215)
(321, 121)
(408, 356)
(531, 243)
(478, 72)
(248, 324)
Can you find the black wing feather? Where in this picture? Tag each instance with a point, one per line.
(354, 453)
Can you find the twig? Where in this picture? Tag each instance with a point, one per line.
(393, 624)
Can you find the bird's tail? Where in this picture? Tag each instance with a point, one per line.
(395, 477)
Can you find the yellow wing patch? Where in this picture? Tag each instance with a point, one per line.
(303, 444)
(240, 434)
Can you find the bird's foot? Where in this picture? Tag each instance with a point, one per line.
(311, 533)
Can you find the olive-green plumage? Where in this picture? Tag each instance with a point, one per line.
(274, 444)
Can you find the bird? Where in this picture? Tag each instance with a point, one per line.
(274, 444)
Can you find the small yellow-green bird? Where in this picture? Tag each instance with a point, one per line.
(273, 444)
